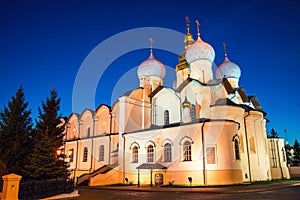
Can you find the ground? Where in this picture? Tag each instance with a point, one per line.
(290, 190)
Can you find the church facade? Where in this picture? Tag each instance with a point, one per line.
(204, 131)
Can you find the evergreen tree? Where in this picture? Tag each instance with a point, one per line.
(296, 156)
(289, 156)
(42, 161)
(48, 137)
(15, 130)
(273, 134)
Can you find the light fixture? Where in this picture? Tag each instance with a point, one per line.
(58, 152)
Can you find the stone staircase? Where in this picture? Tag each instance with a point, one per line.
(85, 178)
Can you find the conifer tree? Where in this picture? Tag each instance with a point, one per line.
(48, 137)
(15, 130)
(296, 156)
(42, 161)
(273, 134)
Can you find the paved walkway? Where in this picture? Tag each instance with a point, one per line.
(230, 189)
(208, 189)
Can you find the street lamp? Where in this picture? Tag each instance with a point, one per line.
(190, 180)
(58, 152)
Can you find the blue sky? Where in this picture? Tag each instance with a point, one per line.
(44, 43)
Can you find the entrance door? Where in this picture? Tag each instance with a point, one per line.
(159, 179)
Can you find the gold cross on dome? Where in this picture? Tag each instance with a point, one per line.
(198, 27)
(151, 42)
(188, 23)
(225, 52)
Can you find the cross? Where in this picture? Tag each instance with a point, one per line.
(151, 41)
(188, 23)
(225, 52)
(198, 27)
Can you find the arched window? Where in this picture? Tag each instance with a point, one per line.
(187, 151)
(167, 152)
(85, 154)
(150, 153)
(236, 149)
(135, 154)
(166, 117)
(193, 112)
(101, 153)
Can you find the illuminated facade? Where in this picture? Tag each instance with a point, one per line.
(206, 130)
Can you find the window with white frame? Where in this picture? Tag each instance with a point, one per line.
(167, 152)
(135, 154)
(85, 154)
(101, 153)
(150, 153)
(187, 151)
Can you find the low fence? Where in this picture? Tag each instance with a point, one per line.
(294, 171)
(42, 189)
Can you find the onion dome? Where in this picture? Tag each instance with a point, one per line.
(200, 50)
(186, 103)
(228, 69)
(151, 67)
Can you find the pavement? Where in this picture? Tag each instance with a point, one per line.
(228, 189)
(72, 195)
(243, 188)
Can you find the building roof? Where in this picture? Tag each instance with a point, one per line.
(243, 94)
(151, 166)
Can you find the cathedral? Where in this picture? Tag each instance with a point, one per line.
(206, 130)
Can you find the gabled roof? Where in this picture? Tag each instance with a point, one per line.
(228, 86)
(186, 82)
(243, 94)
(225, 101)
(255, 102)
(224, 81)
(153, 93)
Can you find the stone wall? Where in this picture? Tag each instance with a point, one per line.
(294, 171)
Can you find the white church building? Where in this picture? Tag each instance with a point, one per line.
(205, 131)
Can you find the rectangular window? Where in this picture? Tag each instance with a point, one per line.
(168, 152)
(273, 153)
(101, 153)
(211, 155)
(187, 151)
(283, 155)
(154, 111)
(71, 155)
(150, 154)
(135, 155)
(85, 154)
